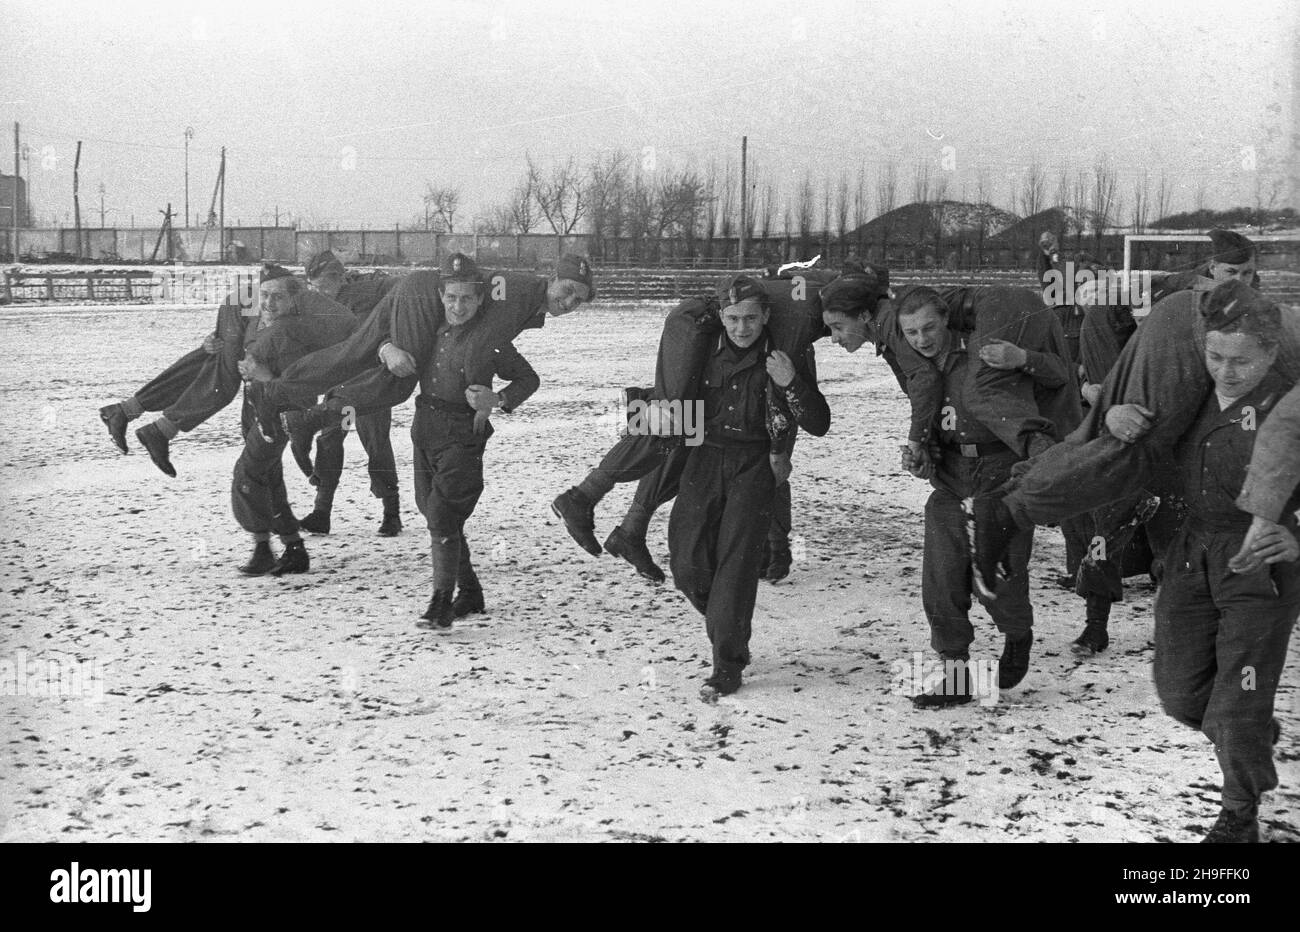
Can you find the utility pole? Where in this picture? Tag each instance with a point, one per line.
(101, 205)
(189, 134)
(13, 243)
(744, 194)
(221, 180)
(76, 196)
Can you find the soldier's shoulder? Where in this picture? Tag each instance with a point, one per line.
(313, 302)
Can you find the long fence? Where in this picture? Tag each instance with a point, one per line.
(208, 284)
(284, 245)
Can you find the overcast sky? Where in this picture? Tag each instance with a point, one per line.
(341, 112)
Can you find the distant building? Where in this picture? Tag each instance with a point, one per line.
(7, 202)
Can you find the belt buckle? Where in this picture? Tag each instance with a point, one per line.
(969, 449)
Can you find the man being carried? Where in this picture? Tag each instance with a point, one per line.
(200, 383)
(258, 496)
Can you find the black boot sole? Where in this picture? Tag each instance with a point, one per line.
(161, 459)
(116, 424)
(583, 538)
(650, 571)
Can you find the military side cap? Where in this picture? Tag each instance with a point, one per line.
(855, 292)
(736, 288)
(576, 269)
(459, 267)
(271, 271)
(1237, 304)
(322, 262)
(1230, 247)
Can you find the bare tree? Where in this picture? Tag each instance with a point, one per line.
(1268, 188)
(1061, 197)
(1079, 192)
(1141, 207)
(640, 208)
(521, 208)
(842, 212)
(499, 221)
(680, 200)
(921, 182)
(1033, 190)
(1164, 199)
(1199, 197)
(886, 201)
(727, 203)
(939, 213)
(804, 213)
(766, 211)
(827, 195)
(560, 193)
(860, 209)
(440, 206)
(1103, 208)
(606, 193)
(710, 222)
(983, 212)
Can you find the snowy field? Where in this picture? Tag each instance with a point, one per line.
(215, 707)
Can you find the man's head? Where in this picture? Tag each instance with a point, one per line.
(923, 318)
(461, 288)
(573, 285)
(325, 273)
(1242, 333)
(850, 301)
(1047, 242)
(278, 291)
(1233, 259)
(744, 310)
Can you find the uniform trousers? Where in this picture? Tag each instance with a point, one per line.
(715, 535)
(1221, 641)
(946, 570)
(199, 384)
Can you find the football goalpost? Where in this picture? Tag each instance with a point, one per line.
(1281, 283)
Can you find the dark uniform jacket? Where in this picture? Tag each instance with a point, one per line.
(1029, 408)
(361, 295)
(473, 353)
(1215, 454)
(320, 322)
(514, 302)
(743, 405)
(1275, 466)
(1163, 285)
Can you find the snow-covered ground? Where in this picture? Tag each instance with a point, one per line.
(311, 708)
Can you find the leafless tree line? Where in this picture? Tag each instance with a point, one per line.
(630, 201)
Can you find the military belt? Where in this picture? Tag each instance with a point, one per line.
(442, 404)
